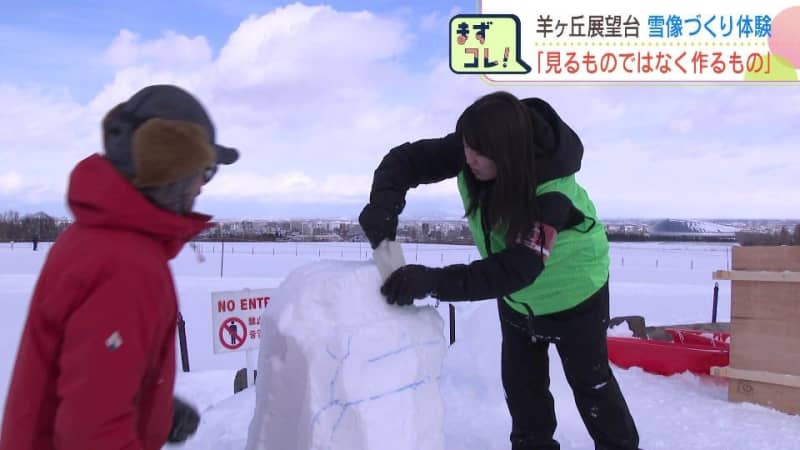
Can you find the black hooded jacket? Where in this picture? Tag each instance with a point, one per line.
(432, 160)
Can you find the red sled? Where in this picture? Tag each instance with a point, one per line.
(670, 350)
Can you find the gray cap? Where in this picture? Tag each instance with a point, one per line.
(157, 101)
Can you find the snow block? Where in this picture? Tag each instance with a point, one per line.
(340, 369)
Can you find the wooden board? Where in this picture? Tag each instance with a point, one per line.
(767, 258)
(765, 336)
(773, 390)
(754, 275)
(782, 398)
(759, 376)
(765, 310)
(764, 326)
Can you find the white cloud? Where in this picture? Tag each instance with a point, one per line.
(37, 118)
(289, 186)
(627, 177)
(432, 21)
(300, 43)
(43, 135)
(314, 97)
(682, 126)
(10, 182)
(296, 186)
(172, 49)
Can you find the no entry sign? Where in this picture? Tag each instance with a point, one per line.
(232, 333)
(236, 319)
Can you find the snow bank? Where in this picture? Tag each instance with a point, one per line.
(340, 369)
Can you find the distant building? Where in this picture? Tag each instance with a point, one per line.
(692, 229)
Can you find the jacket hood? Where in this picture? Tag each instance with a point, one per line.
(99, 196)
(561, 148)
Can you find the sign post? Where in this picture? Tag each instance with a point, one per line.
(251, 367)
(236, 324)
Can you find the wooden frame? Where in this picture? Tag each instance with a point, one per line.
(764, 365)
(759, 376)
(754, 275)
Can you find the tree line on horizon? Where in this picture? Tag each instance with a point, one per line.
(15, 227)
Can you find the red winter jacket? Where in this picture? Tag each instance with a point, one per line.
(95, 368)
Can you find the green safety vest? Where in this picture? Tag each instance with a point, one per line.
(578, 262)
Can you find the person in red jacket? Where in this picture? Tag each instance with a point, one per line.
(95, 368)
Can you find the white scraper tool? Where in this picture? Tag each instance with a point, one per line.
(388, 257)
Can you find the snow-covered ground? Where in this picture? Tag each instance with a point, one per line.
(667, 283)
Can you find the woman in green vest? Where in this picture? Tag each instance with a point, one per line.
(544, 258)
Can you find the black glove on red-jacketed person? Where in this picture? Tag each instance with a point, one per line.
(185, 420)
(378, 223)
(410, 282)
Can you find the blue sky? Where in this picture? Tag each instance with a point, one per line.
(314, 94)
(57, 43)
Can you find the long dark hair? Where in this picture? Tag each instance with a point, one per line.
(498, 126)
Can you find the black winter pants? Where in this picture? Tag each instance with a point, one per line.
(579, 335)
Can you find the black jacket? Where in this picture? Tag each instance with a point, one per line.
(433, 160)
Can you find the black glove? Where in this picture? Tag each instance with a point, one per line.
(378, 224)
(410, 282)
(184, 421)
